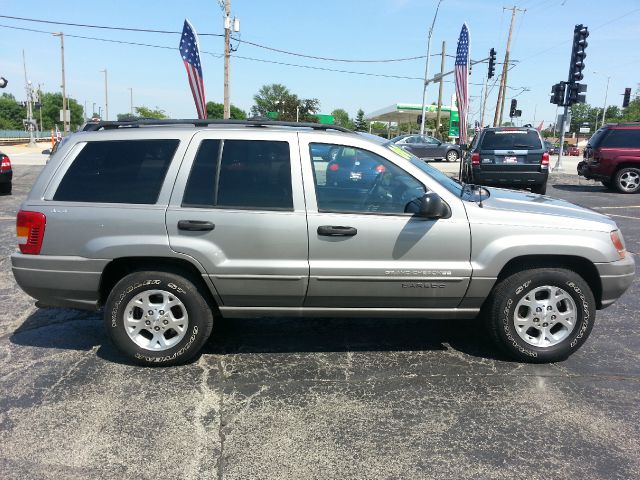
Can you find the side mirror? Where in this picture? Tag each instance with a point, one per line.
(430, 206)
(46, 152)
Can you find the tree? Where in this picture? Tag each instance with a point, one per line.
(145, 112)
(216, 110)
(360, 123)
(51, 106)
(277, 98)
(11, 113)
(341, 117)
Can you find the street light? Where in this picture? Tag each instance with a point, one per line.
(604, 109)
(426, 70)
(106, 96)
(65, 124)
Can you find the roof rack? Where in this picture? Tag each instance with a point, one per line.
(100, 125)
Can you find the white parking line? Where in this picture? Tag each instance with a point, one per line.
(630, 206)
(623, 216)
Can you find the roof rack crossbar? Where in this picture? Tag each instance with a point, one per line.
(104, 125)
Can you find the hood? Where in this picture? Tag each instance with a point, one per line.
(530, 209)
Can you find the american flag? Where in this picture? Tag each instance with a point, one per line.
(191, 57)
(462, 80)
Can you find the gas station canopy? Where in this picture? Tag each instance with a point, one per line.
(408, 113)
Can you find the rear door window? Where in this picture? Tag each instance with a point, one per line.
(511, 140)
(242, 174)
(621, 139)
(123, 171)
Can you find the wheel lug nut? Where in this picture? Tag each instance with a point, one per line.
(545, 324)
(156, 328)
(553, 317)
(147, 322)
(166, 322)
(150, 312)
(536, 319)
(549, 308)
(538, 309)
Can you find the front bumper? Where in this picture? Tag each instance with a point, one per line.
(58, 281)
(616, 278)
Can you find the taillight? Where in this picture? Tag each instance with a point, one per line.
(380, 169)
(544, 163)
(334, 167)
(617, 243)
(30, 231)
(475, 158)
(5, 163)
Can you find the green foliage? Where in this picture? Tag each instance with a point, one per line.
(341, 118)
(360, 124)
(51, 106)
(11, 113)
(216, 110)
(146, 112)
(277, 98)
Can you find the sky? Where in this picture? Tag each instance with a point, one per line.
(344, 29)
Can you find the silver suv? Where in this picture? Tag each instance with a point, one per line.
(168, 225)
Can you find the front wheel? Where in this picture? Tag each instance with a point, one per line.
(541, 315)
(452, 156)
(157, 318)
(627, 180)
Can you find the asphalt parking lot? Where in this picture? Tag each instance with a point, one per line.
(318, 398)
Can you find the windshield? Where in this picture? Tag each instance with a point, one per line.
(447, 182)
(510, 140)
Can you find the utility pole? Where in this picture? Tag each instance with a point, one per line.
(29, 91)
(604, 109)
(40, 102)
(65, 124)
(497, 119)
(131, 99)
(439, 114)
(106, 96)
(227, 56)
(426, 71)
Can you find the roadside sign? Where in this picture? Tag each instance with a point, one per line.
(585, 129)
(68, 119)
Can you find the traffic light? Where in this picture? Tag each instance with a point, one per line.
(514, 105)
(580, 34)
(626, 98)
(557, 93)
(419, 121)
(492, 62)
(3, 82)
(575, 89)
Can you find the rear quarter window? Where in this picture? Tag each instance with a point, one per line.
(627, 138)
(122, 171)
(511, 140)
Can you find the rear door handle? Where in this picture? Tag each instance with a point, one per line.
(336, 231)
(195, 225)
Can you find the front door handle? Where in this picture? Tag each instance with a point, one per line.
(195, 225)
(336, 231)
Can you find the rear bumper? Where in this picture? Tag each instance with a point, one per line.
(509, 178)
(616, 278)
(55, 281)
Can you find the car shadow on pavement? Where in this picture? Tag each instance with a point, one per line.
(580, 188)
(58, 328)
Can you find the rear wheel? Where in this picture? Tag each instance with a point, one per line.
(627, 180)
(157, 318)
(541, 315)
(540, 189)
(452, 156)
(5, 188)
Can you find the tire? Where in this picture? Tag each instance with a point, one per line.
(627, 180)
(5, 188)
(185, 326)
(540, 189)
(452, 156)
(540, 337)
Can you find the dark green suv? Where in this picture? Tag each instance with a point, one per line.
(508, 157)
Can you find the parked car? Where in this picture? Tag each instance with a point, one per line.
(573, 151)
(509, 157)
(428, 148)
(166, 226)
(6, 174)
(548, 147)
(612, 156)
